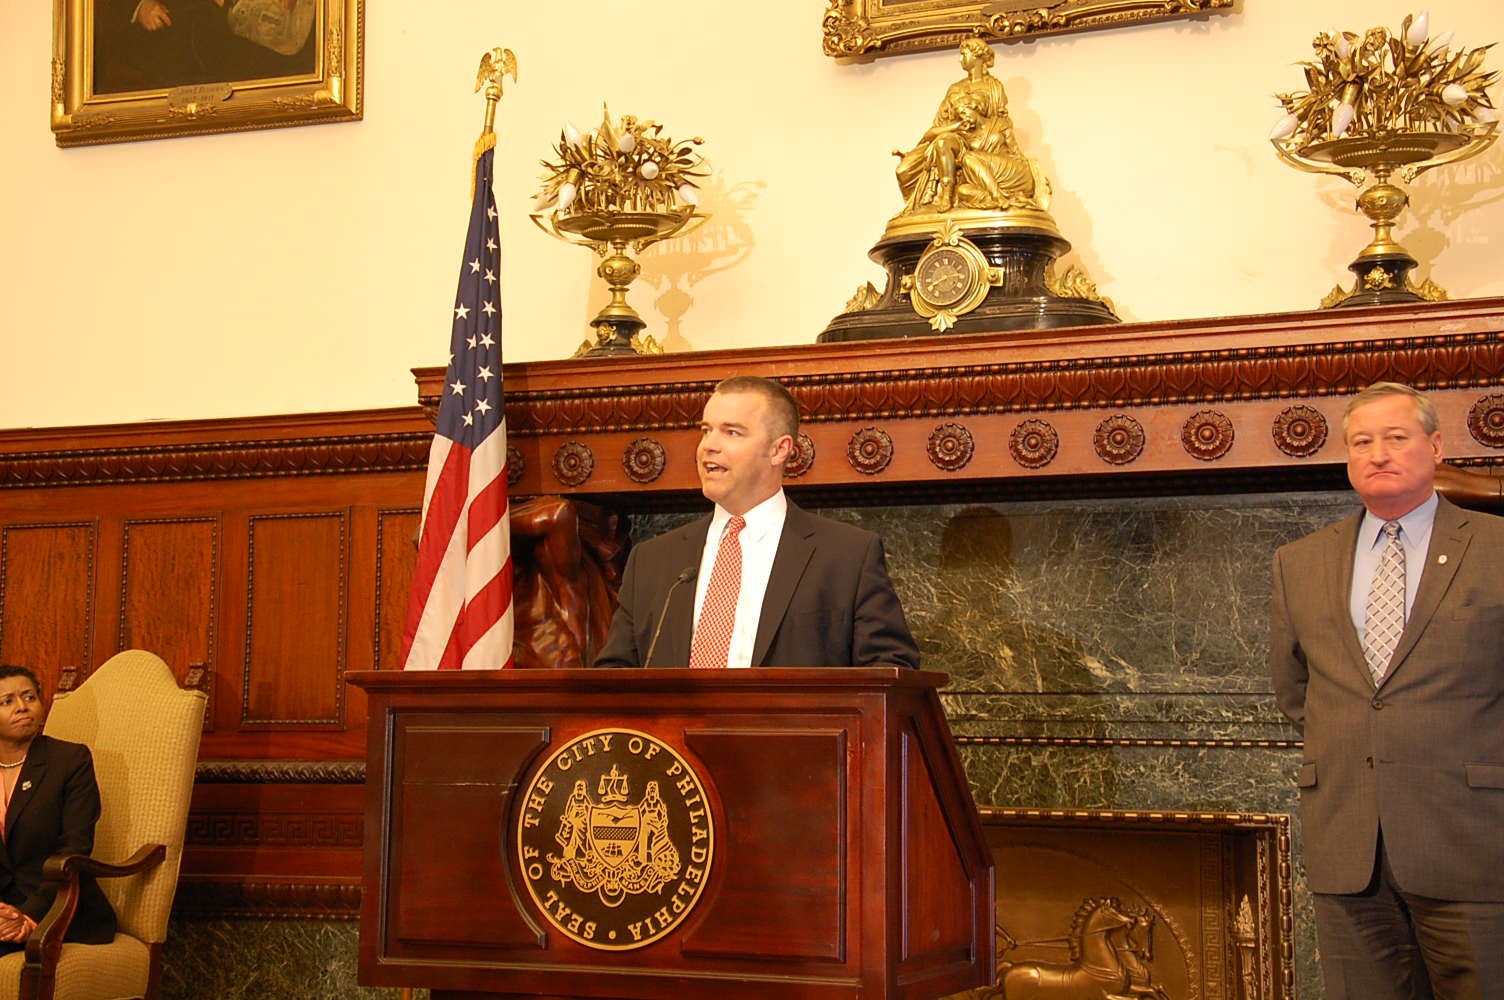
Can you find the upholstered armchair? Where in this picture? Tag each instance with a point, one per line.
(143, 730)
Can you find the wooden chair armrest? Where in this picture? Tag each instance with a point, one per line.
(45, 945)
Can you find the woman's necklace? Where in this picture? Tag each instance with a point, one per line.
(16, 764)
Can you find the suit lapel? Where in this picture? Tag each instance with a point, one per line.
(1341, 590)
(32, 773)
(1450, 538)
(795, 549)
(679, 626)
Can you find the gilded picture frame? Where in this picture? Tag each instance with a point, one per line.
(125, 70)
(887, 27)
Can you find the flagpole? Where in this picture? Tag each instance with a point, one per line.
(494, 65)
(460, 613)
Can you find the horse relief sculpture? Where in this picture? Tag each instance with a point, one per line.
(1111, 956)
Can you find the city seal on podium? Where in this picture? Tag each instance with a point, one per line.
(615, 839)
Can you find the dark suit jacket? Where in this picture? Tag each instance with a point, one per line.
(1423, 755)
(829, 601)
(52, 811)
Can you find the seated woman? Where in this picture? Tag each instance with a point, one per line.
(969, 157)
(49, 803)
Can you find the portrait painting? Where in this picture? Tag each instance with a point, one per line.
(150, 69)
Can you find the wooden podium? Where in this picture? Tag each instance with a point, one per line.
(791, 833)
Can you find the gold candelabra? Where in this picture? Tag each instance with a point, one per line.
(621, 188)
(1380, 105)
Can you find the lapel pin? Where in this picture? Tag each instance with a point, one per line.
(1441, 560)
(25, 786)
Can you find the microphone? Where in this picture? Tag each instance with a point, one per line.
(686, 574)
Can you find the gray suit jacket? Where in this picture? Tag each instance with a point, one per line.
(829, 601)
(1423, 755)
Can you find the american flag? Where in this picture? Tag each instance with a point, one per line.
(459, 613)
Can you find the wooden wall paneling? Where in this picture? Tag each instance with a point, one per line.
(293, 671)
(169, 593)
(290, 849)
(396, 559)
(47, 594)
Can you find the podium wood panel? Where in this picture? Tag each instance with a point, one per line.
(846, 859)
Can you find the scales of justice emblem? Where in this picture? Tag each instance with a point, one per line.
(612, 848)
(615, 839)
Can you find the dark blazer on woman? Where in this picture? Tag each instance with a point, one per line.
(829, 601)
(52, 811)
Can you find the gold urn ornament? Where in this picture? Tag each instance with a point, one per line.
(1379, 105)
(620, 188)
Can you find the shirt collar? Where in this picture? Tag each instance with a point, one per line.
(759, 519)
(1413, 525)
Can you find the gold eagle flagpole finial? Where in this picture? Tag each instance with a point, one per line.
(494, 65)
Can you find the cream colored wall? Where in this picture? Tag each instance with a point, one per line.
(308, 269)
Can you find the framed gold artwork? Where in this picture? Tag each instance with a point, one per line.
(153, 69)
(887, 27)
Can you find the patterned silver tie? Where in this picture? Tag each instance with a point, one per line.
(1385, 616)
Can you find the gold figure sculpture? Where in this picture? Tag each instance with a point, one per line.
(973, 248)
(623, 187)
(969, 158)
(1379, 105)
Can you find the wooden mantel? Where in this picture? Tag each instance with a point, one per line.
(1249, 402)
(1196, 403)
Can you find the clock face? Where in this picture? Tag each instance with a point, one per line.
(944, 276)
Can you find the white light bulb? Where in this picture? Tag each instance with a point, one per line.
(1419, 29)
(567, 192)
(688, 194)
(1485, 116)
(648, 170)
(1455, 94)
(1341, 119)
(571, 134)
(627, 142)
(1442, 41)
(1285, 127)
(1343, 46)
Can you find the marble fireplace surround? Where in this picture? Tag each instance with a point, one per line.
(1166, 408)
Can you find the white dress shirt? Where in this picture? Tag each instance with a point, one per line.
(759, 541)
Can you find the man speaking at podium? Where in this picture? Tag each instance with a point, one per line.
(760, 582)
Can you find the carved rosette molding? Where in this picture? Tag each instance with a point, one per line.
(803, 458)
(1119, 439)
(1241, 366)
(643, 460)
(1485, 420)
(985, 386)
(870, 450)
(950, 447)
(573, 463)
(1034, 443)
(1207, 435)
(1300, 431)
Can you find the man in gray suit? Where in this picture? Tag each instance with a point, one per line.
(759, 582)
(1387, 649)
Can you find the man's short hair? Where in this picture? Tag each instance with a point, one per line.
(10, 670)
(1425, 412)
(783, 411)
